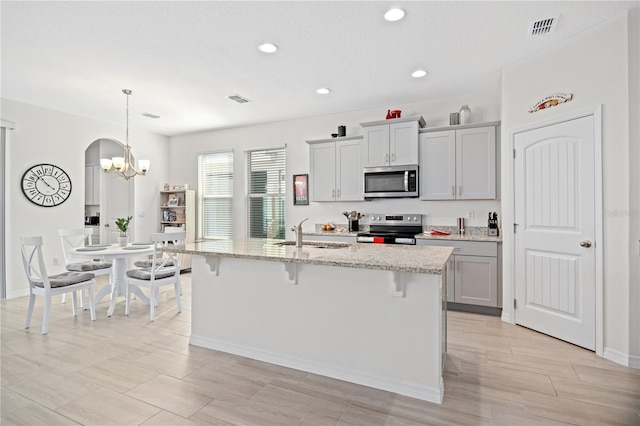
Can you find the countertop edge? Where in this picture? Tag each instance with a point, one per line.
(357, 264)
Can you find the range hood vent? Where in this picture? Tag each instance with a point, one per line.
(239, 99)
(543, 26)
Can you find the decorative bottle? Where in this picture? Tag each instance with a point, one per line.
(465, 114)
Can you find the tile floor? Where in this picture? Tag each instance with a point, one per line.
(128, 371)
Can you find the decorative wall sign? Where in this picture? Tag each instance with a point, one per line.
(552, 100)
(46, 185)
(300, 190)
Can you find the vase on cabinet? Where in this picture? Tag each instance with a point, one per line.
(465, 114)
(123, 241)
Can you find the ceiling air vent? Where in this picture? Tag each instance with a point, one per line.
(543, 26)
(239, 99)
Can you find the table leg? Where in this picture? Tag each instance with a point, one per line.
(118, 286)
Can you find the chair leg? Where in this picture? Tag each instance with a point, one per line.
(127, 298)
(32, 301)
(153, 299)
(74, 301)
(177, 288)
(92, 308)
(45, 317)
(83, 306)
(64, 298)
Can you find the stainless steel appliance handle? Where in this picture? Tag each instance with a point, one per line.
(406, 181)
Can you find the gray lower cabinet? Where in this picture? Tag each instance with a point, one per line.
(473, 276)
(476, 280)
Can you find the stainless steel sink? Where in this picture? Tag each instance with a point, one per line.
(315, 244)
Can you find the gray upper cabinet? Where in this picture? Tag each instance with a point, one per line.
(459, 164)
(391, 142)
(335, 169)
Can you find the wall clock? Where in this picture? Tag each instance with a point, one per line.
(46, 185)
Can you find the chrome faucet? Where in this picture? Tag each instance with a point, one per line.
(298, 230)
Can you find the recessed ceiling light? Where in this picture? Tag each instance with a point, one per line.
(323, 91)
(418, 73)
(394, 15)
(268, 48)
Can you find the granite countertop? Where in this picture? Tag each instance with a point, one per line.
(334, 233)
(472, 233)
(414, 259)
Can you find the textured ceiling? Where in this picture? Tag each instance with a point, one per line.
(182, 58)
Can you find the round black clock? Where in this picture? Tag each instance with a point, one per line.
(46, 185)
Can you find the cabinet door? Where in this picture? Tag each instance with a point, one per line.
(323, 171)
(476, 163)
(375, 148)
(403, 143)
(438, 165)
(476, 280)
(451, 280)
(88, 185)
(92, 185)
(349, 178)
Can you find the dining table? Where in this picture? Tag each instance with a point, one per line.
(118, 280)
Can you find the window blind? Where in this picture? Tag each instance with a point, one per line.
(266, 193)
(215, 201)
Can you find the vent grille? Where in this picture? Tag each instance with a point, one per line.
(543, 26)
(239, 99)
(149, 115)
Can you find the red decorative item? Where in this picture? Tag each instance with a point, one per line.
(393, 114)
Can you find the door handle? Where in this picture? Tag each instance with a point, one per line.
(106, 225)
(585, 243)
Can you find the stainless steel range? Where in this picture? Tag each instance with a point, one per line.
(392, 229)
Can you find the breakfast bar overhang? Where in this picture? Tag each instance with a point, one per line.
(372, 315)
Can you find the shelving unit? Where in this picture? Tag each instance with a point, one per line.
(177, 210)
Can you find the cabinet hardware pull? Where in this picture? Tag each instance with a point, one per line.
(453, 190)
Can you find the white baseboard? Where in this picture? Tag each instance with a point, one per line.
(424, 393)
(618, 357)
(18, 293)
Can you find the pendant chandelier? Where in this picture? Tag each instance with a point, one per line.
(124, 166)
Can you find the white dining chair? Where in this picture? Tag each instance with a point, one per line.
(164, 269)
(74, 238)
(41, 284)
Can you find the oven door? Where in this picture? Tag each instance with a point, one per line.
(384, 238)
(390, 182)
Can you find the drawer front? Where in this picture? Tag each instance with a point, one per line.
(466, 248)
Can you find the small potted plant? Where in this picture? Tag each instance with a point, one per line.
(123, 225)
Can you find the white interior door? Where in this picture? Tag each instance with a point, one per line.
(554, 241)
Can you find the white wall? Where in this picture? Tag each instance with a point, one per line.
(594, 67)
(294, 133)
(46, 136)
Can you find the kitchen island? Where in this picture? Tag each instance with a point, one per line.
(368, 314)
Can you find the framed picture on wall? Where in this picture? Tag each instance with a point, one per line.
(300, 190)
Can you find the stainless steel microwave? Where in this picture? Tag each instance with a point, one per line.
(390, 182)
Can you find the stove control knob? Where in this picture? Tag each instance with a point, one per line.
(415, 218)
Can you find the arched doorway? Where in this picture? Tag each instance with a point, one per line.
(107, 195)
